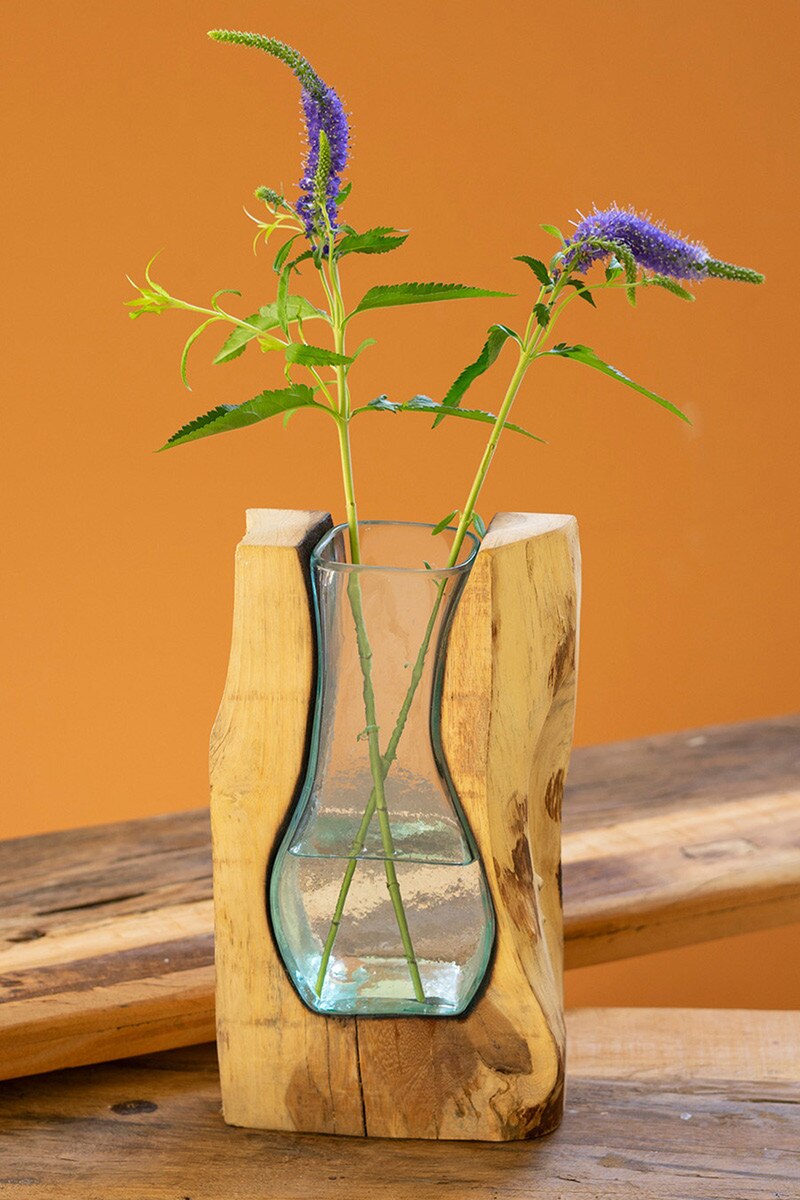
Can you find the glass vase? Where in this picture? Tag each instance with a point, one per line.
(377, 896)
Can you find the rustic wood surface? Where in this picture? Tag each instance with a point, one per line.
(279, 1064)
(661, 1105)
(508, 702)
(106, 940)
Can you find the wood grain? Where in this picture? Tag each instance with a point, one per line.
(508, 695)
(678, 839)
(507, 717)
(275, 1056)
(106, 933)
(650, 1116)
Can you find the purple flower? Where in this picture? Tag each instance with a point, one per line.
(323, 112)
(650, 242)
(640, 241)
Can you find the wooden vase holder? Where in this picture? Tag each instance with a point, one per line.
(497, 1072)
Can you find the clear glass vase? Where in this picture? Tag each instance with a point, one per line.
(377, 896)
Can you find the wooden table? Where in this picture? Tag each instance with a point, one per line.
(106, 949)
(661, 1105)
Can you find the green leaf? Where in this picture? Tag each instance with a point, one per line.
(315, 356)
(555, 232)
(582, 290)
(292, 266)
(614, 269)
(537, 266)
(343, 194)
(365, 345)
(425, 404)
(298, 309)
(283, 254)
(586, 355)
(480, 528)
(542, 314)
(392, 295)
(235, 416)
(442, 525)
(379, 240)
(223, 292)
(498, 335)
(281, 304)
(190, 341)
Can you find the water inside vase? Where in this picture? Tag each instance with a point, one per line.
(377, 895)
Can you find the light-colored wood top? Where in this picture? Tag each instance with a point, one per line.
(661, 1105)
(106, 942)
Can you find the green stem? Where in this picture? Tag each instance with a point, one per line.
(365, 659)
(528, 352)
(359, 841)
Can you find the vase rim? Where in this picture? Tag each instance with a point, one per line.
(319, 558)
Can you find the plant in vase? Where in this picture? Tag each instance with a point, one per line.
(378, 867)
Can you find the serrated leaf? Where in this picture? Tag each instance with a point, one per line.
(392, 295)
(292, 265)
(586, 355)
(542, 314)
(190, 341)
(582, 290)
(379, 240)
(537, 266)
(554, 231)
(315, 356)
(298, 309)
(440, 526)
(480, 528)
(497, 337)
(236, 416)
(283, 254)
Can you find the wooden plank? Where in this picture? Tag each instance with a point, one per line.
(650, 1116)
(681, 838)
(105, 933)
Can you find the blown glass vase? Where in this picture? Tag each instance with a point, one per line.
(377, 896)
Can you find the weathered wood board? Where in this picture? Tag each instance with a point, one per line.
(106, 944)
(661, 1105)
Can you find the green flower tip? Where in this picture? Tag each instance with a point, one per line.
(271, 197)
(723, 270)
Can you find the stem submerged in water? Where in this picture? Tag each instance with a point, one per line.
(377, 802)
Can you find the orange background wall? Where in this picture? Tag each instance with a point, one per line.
(126, 131)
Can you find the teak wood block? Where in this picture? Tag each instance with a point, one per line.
(496, 1073)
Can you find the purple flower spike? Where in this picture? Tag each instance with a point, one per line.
(323, 112)
(650, 242)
